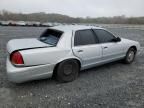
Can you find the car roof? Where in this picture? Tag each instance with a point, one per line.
(69, 28)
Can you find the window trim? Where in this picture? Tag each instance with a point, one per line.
(96, 39)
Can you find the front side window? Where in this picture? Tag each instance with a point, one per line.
(104, 36)
(50, 37)
(84, 37)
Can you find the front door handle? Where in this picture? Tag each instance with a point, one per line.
(105, 47)
(80, 51)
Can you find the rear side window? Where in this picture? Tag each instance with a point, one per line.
(84, 37)
(51, 36)
(104, 36)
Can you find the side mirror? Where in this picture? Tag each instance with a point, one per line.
(117, 39)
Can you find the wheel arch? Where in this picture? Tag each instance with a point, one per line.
(134, 47)
(65, 59)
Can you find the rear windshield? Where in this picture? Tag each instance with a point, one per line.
(50, 36)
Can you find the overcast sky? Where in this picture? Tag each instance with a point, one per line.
(77, 8)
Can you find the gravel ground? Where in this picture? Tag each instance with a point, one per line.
(114, 85)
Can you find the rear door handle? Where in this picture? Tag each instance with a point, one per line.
(105, 47)
(80, 51)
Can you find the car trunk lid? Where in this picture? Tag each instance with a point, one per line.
(21, 44)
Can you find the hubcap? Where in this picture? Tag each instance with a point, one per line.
(131, 56)
(67, 69)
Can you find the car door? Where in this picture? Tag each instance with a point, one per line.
(86, 47)
(110, 49)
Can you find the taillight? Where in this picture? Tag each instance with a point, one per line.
(16, 58)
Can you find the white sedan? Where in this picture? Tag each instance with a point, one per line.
(63, 51)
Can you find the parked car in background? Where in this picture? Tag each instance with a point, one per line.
(62, 51)
(47, 24)
(5, 23)
(12, 23)
(36, 24)
(29, 23)
(33, 23)
(56, 24)
(20, 23)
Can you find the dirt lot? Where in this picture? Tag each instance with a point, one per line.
(114, 85)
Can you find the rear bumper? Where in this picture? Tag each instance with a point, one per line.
(23, 74)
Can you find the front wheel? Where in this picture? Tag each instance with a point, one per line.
(67, 71)
(130, 56)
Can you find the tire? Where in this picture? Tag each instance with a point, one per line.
(130, 56)
(67, 71)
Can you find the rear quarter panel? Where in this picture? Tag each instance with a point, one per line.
(52, 55)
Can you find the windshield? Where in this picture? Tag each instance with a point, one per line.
(51, 37)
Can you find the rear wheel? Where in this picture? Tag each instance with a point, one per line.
(130, 56)
(67, 71)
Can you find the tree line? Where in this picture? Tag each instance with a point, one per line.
(59, 18)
